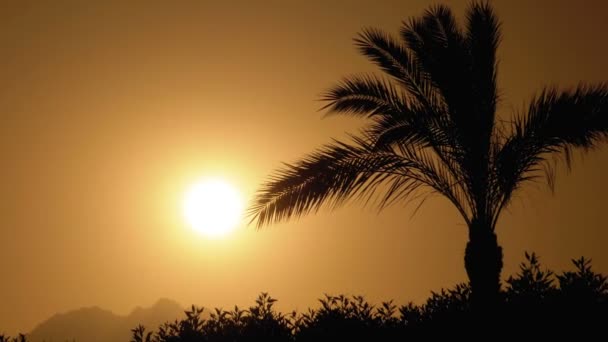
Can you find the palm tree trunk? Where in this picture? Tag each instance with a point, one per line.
(483, 262)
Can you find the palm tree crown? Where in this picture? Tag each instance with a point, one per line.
(433, 125)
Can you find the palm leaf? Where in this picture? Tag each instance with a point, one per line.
(339, 172)
(396, 61)
(441, 52)
(365, 95)
(483, 37)
(556, 122)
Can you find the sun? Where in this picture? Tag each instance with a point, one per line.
(213, 207)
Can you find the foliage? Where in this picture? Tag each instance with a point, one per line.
(535, 300)
(20, 338)
(259, 322)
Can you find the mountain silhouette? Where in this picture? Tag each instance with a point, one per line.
(94, 324)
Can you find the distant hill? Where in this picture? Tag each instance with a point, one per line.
(94, 324)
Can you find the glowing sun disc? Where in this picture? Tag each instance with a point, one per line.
(213, 207)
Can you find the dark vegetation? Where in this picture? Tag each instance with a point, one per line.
(534, 302)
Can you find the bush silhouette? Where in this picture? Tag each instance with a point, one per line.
(20, 338)
(534, 302)
(259, 322)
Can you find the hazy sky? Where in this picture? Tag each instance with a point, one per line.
(110, 110)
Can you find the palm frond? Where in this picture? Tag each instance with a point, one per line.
(395, 60)
(441, 175)
(337, 173)
(395, 119)
(449, 56)
(577, 117)
(429, 123)
(462, 67)
(415, 128)
(483, 38)
(424, 132)
(365, 95)
(440, 50)
(556, 122)
(390, 131)
(333, 173)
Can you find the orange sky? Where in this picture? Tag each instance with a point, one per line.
(110, 110)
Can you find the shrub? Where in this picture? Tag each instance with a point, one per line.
(535, 300)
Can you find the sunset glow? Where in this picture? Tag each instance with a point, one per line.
(213, 207)
(164, 154)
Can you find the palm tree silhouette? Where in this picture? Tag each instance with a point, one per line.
(433, 125)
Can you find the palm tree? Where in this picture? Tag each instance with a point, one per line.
(433, 125)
